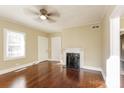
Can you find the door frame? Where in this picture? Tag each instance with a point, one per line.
(38, 49)
(60, 50)
(113, 62)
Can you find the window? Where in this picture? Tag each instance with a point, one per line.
(14, 44)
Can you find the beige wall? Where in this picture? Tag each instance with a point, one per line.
(31, 44)
(87, 39)
(122, 23)
(55, 34)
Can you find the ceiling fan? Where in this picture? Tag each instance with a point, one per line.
(44, 13)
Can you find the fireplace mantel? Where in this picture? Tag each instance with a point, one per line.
(74, 50)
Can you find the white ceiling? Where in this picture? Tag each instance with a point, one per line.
(70, 16)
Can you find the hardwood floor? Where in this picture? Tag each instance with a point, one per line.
(52, 75)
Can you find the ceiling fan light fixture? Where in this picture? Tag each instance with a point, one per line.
(43, 17)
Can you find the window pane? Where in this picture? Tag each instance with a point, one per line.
(15, 44)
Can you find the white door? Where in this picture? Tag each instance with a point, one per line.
(56, 48)
(42, 48)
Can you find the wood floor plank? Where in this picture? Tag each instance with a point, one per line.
(52, 75)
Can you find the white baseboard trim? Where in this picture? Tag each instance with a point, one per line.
(36, 62)
(20, 69)
(103, 74)
(96, 69)
(4, 71)
(40, 61)
(92, 68)
(53, 60)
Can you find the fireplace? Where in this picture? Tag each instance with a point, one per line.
(73, 57)
(73, 60)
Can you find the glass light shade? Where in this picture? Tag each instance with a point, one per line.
(43, 17)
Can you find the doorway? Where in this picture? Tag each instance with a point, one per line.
(56, 48)
(42, 48)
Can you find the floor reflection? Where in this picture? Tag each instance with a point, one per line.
(73, 74)
(20, 82)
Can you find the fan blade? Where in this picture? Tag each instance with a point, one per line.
(56, 14)
(50, 19)
(29, 11)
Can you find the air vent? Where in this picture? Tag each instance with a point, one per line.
(95, 27)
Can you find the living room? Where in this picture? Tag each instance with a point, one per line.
(43, 42)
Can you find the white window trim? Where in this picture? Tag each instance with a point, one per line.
(4, 45)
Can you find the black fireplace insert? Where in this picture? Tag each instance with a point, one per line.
(73, 60)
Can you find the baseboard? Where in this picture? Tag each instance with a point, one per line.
(96, 69)
(103, 74)
(46, 60)
(53, 60)
(15, 68)
(92, 68)
(41, 61)
(20, 69)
